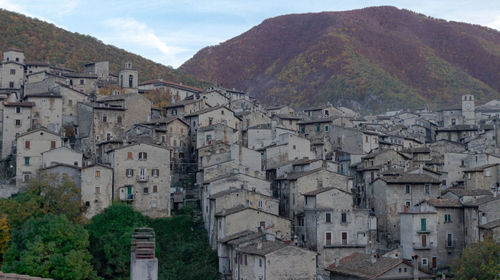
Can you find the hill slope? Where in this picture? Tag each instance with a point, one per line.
(375, 58)
(42, 41)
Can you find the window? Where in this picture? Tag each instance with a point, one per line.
(143, 156)
(12, 71)
(344, 238)
(18, 122)
(11, 84)
(155, 189)
(290, 122)
(130, 172)
(98, 173)
(318, 128)
(82, 82)
(366, 139)
(155, 172)
(18, 109)
(328, 217)
(245, 258)
(423, 224)
(70, 82)
(129, 155)
(343, 218)
(262, 224)
(427, 188)
(328, 238)
(327, 113)
(119, 119)
(108, 136)
(408, 203)
(487, 173)
(447, 218)
(408, 188)
(130, 81)
(163, 138)
(222, 112)
(97, 189)
(146, 190)
(303, 130)
(52, 144)
(174, 112)
(294, 147)
(260, 262)
(326, 127)
(434, 262)
(70, 102)
(338, 140)
(87, 203)
(104, 118)
(27, 144)
(260, 203)
(449, 240)
(424, 261)
(26, 160)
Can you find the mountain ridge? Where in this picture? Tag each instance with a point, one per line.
(43, 41)
(375, 58)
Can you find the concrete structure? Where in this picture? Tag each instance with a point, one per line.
(143, 263)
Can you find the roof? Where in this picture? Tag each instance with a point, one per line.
(116, 97)
(236, 236)
(37, 130)
(263, 247)
(44, 95)
(418, 150)
(461, 192)
(97, 164)
(407, 178)
(36, 63)
(288, 117)
(79, 75)
(172, 84)
(323, 120)
(57, 164)
(491, 225)
(235, 209)
(183, 103)
(296, 175)
(322, 190)
(482, 200)
(360, 265)
(233, 190)
(21, 104)
(206, 110)
(459, 127)
(481, 168)
(444, 203)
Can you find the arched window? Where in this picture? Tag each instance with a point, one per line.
(121, 80)
(130, 81)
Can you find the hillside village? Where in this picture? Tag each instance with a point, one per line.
(323, 192)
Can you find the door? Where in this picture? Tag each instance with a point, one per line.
(434, 262)
(344, 238)
(129, 192)
(424, 240)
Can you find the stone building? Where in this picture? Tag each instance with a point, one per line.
(47, 111)
(16, 121)
(30, 148)
(142, 178)
(96, 189)
(333, 227)
(392, 194)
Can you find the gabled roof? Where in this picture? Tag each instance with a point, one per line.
(20, 104)
(407, 178)
(183, 103)
(461, 192)
(97, 164)
(37, 130)
(172, 84)
(481, 168)
(322, 190)
(263, 247)
(359, 265)
(444, 203)
(296, 175)
(62, 165)
(206, 110)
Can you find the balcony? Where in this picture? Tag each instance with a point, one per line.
(127, 197)
(142, 178)
(423, 231)
(421, 246)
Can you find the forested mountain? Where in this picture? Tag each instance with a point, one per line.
(42, 41)
(374, 58)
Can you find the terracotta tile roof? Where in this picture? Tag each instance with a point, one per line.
(21, 104)
(481, 200)
(359, 265)
(322, 190)
(410, 178)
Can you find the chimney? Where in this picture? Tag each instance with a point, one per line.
(259, 245)
(143, 263)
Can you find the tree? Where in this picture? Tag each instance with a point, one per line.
(480, 262)
(110, 235)
(48, 196)
(50, 246)
(4, 235)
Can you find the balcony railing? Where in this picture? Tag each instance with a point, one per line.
(142, 178)
(128, 197)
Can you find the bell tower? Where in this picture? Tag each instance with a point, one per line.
(468, 109)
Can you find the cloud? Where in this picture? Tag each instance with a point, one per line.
(133, 35)
(495, 23)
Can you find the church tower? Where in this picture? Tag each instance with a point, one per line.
(128, 78)
(468, 109)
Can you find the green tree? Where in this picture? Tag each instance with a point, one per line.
(47, 196)
(479, 262)
(50, 246)
(182, 248)
(110, 235)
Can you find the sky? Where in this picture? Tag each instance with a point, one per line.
(172, 31)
